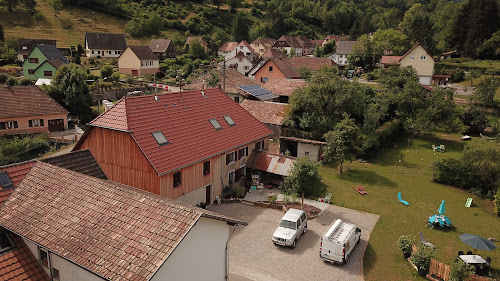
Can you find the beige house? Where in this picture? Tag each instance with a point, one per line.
(138, 60)
(418, 58)
(262, 45)
(303, 148)
(104, 45)
(28, 110)
(114, 231)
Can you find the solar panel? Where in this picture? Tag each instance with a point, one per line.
(257, 91)
(5, 180)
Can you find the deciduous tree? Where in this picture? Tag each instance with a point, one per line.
(343, 142)
(304, 177)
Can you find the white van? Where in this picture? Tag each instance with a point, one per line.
(338, 241)
(291, 226)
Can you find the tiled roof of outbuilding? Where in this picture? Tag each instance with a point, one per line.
(19, 101)
(113, 230)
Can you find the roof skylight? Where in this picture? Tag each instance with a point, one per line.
(160, 138)
(215, 123)
(5, 181)
(229, 120)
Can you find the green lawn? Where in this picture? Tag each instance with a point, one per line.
(383, 177)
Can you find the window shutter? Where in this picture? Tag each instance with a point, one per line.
(227, 159)
(41, 122)
(30, 123)
(246, 151)
(15, 124)
(238, 154)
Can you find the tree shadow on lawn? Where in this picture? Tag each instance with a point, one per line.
(450, 145)
(367, 177)
(369, 259)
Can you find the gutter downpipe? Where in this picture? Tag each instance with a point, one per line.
(226, 255)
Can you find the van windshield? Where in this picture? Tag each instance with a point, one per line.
(288, 224)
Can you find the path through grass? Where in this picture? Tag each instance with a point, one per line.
(383, 177)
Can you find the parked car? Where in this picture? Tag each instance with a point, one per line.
(291, 226)
(338, 241)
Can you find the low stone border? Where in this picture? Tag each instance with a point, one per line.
(231, 200)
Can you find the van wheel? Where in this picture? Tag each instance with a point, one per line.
(346, 259)
(294, 244)
(305, 229)
(359, 239)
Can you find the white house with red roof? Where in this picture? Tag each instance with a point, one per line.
(247, 50)
(240, 63)
(186, 146)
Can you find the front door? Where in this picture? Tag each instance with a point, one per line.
(56, 125)
(208, 195)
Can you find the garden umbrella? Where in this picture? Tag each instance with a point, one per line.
(441, 209)
(477, 242)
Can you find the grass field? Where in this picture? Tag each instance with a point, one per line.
(68, 28)
(383, 177)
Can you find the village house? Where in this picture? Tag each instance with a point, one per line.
(306, 45)
(240, 62)
(25, 46)
(262, 45)
(43, 62)
(273, 68)
(249, 52)
(284, 88)
(16, 260)
(138, 61)
(227, 50)
(229, 82)
(104, 45)
(273, 53)
(186, 146)
(335, 38)
(271, 114)
(191, 39)
(163, 48)
(95, 229)
(310, 63)
(344, 49)
(418, 58)
(286, 43)
(28, 110)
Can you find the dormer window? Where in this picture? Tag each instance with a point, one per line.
(160, 138)
(229, 120)
(5, 181)
(215, 124)
(6, 243)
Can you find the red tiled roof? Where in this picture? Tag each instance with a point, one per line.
(290, 40)
(183, 119)
(16, 173)
(234, 79)
(159, 45)
(264, 41)
(390, 59)
(143, 53)
(311, 63)
(317, 42)
(284, 87)
(273, 53)
(265, 112)
(114, 230)
(20, 101)
(245, 43)
(20, 264)
(285, 67)
(304, 41)
(228, 46)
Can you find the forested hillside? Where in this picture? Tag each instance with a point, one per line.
(440, 25)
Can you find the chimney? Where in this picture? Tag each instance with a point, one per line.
(97, 35)
(203, 94)
(202, 87)
(156, 98)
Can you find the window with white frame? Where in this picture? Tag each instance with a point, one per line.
(412, 57)
(230, 158)
(422, 57)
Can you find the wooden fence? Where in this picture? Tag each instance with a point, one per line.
(442, 271)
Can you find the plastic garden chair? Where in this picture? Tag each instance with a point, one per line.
(434, 148)
(469, 202)
(401, 200)
(442, 147)
(424, 241)
(326, 199)
(361, 190)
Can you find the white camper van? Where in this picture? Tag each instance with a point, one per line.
(338, 241)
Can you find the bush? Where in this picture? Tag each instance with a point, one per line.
(3, 78)
(453, 172)
(496, 201)
(21, 149)
(115, 77)
(160, 74)
(11, 81)
(460, 271)
(78, 60)
(474, 119)
(422, 258)
(384, 135)
(404, 243)
(106, 71)
(26, 82)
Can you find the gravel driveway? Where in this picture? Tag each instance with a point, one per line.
(253, 255)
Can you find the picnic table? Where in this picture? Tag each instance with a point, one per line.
(473, 259)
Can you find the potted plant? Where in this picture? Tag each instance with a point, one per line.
(460, 271)
(422, 259)
(404, 243)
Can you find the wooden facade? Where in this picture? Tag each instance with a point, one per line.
(123, 161)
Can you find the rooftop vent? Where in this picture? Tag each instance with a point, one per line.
(203, 94)
(156, 98)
